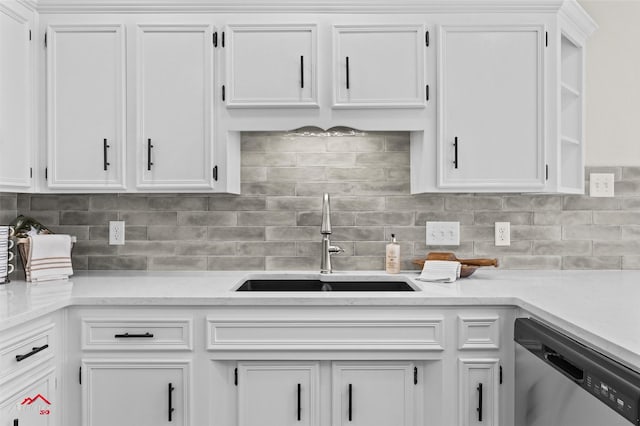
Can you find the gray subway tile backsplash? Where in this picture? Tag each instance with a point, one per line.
(274, 224)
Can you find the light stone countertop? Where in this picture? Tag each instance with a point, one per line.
(599, 308)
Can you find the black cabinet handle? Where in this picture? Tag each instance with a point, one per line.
(171, 409)
(33, 352)
(455, 152)
(127, 335)
(479, 409)
(302, 72)
(105, 146)
(149, 146)
(350, 399)
(347, 72)
(299, 407)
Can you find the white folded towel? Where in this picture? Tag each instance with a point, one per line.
(49, 257)
(440, 271)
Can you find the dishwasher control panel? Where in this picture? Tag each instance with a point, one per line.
(609, 395)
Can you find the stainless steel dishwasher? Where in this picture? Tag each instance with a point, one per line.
(560, 382)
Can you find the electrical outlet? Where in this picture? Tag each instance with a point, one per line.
(116, 233)
(503, 233)
(443, 233)
(601, 185)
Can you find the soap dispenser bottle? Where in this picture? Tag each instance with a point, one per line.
(392, 261)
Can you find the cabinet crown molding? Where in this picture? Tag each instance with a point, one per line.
(302, 6)
(576, 15)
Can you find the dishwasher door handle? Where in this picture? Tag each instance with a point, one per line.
(560, 363)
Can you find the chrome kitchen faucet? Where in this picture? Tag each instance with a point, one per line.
(325, 231)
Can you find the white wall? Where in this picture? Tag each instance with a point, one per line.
(613, 83)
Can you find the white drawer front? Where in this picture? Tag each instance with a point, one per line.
(133, 334)
(480, 332)
(325, 335)
(26, 351)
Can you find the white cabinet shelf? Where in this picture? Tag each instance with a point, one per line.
(572, 141)
(571, 151)
(568, 90)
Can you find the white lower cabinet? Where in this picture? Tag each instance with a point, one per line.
(478, 390)
(278, 393)
(354, 393)
(290, 365)
(34, 402)
(135, 392)
(373, 394)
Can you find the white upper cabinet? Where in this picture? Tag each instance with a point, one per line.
(174, 100)
(491, 102)
(379, 66)
(493, 98)
(270, 65)
(86, 106)
(15, 99)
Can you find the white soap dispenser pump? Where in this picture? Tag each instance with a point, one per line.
(392, 261)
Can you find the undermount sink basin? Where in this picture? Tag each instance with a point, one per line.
(318, 285)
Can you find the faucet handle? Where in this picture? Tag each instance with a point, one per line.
(335, 249)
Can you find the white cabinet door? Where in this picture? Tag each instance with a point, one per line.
(379, 66)
(373, 394)
(175, 118)
(86, 106)
(478, 392)
(271, 66)
(15, 94)
(491, 115)
(135, 393)
(278, 394)
(34, 404)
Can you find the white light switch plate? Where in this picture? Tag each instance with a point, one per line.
(443, 233)
(601, 185)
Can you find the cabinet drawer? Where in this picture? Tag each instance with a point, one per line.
(26, 351)
(324, 335)
(137, 334)
(478, 332)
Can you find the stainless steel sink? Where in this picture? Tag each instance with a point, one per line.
(318, 285)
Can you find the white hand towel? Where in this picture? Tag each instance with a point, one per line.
(49, 257)
(440, 271)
